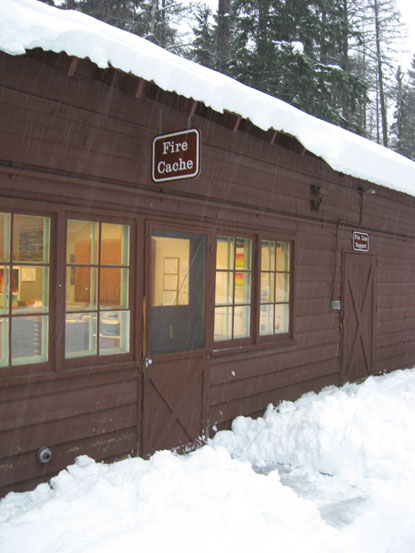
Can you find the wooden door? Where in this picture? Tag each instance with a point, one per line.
(359, 304)
(175, 364)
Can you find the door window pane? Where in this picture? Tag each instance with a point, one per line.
(170, 265)
(177, 290)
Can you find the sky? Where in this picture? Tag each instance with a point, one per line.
(407, 9)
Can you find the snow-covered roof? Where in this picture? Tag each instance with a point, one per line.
(27, 24)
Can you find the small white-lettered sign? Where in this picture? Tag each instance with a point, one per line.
(360, 241)
(176, 156)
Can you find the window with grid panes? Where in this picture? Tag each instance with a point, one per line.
(24, 288)
(233, 288)
(97, 319)
(274, 317)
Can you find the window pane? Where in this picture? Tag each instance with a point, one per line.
(224, 253)
(224, 288)
(223, 323)
(4, 236)
(267, 287)
(4, 342)
(81, 288)
(283, 287)
(283, 256)
(4, 289)
(114, 332)
(266, 322)
(82, 242)
(241, 326)
(282, 318)
(30, 239)
(170, 270)
(29, 339)
(30, 288)
(80, 334)
(268, 256)
(115, 244)
(242, 287)
(243, 254)
(113, 288)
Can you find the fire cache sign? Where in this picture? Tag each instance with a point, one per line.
(176, 156)
(360, 241)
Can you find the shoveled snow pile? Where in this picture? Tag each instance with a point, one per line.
(329, 473)
(27, 24)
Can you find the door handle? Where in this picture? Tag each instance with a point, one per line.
(147, 362)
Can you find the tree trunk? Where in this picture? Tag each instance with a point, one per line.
(222, 36)
(379, 63)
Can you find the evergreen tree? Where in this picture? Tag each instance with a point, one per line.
(203, 48)
(295, 50)
(155, 20)
(382, 30)
(403, 126)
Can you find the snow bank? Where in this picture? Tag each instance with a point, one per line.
(213, 500)
(26, 24)
(204, 501)
(355, 432)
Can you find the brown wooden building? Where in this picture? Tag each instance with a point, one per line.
(153, 290)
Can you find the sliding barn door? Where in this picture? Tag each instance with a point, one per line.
(359, 304)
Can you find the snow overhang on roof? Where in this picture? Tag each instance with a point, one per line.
(28, 24)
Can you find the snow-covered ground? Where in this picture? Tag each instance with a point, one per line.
(330, 473)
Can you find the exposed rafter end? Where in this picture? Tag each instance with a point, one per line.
(273, 137)
(237, 123)
(193, 108)
(140, 88)
(73, 66)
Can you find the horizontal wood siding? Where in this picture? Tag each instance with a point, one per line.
(395, 330)
(84, 142)
(246, 384)
(94, 415)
